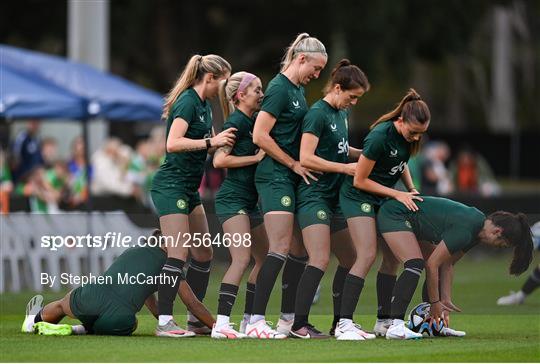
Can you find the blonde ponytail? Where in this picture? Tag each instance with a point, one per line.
(194, 71)
(228, 91)
(302, 44)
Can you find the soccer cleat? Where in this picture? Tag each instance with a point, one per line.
(308, 332)
(398, 331)
(226, 332)
(48, 329)
(349, 330)
(243, 325)
(446, 331)
(198, 328)
(32, 309)
(261, 330)
(284, 326)
(514, 298)
(381, 326)
(171, 329)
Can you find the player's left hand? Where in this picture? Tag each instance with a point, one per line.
(437, 312)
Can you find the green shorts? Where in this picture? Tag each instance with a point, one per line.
(175, 200)
(100, 312)
(393, 216)
(231, 200)
(317, 209)
(357, 203)
(277, 195)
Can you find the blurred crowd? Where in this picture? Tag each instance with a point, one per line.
(31, 169)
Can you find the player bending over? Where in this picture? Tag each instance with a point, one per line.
(459, 228)
(110, 309)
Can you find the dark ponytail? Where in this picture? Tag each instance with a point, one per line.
(410, 108)
(348, 77)
(516, 231)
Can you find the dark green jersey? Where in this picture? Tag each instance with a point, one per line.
(142, 261)
(438, 219)
(287, 103)
(243, 146)
(389, 150)
(330, 126)
(187, 167)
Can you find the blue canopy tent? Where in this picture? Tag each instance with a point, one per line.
(108, 96)
(43, 86)
(27, 97)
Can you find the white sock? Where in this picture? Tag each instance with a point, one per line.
(222, 320)
(164, 319)
(247, 316)
(287, 316)
(255, 318)
(78, 330)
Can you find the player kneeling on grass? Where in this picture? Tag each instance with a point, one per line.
(109, 309)
(459, 228)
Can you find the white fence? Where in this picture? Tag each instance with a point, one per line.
(26, 251)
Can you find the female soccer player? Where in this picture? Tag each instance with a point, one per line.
(393, 138)
(324, 148)
(174, 187)
(110, 309)
(454, 228)
(277, 132)
(236, 202)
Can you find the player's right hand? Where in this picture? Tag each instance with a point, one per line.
(225, 138)
(407, 198)
(303, 172)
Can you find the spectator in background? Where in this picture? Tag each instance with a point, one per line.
(77, 173)
(435, 176)
(49, 152)
(6, 185)
(26, 152)
(139, 170)
(471, 173)
(110, 164)
(42, 196)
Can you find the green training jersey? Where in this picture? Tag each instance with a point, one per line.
(389, 150)
(243, 147)
(330, 125)
(287, 103)
(187, 167)
(438, 219)
(138, 261)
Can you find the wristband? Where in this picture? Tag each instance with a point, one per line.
(208, 143)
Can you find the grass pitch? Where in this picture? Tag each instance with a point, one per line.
(494, 334)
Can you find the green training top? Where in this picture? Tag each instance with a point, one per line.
(187, 167)
(243, 147)
(287, 103)
(142, 261)
(330, 126)
(439, 219)
(389, 150)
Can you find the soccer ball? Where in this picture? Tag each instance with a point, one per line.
(420, 321)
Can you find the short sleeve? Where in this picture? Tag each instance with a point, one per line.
(457, 239)
(275, 100)
(233, 122)
(374, 145)
(184, 108)
(313, 123)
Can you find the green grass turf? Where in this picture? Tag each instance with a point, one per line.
(494, 334)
